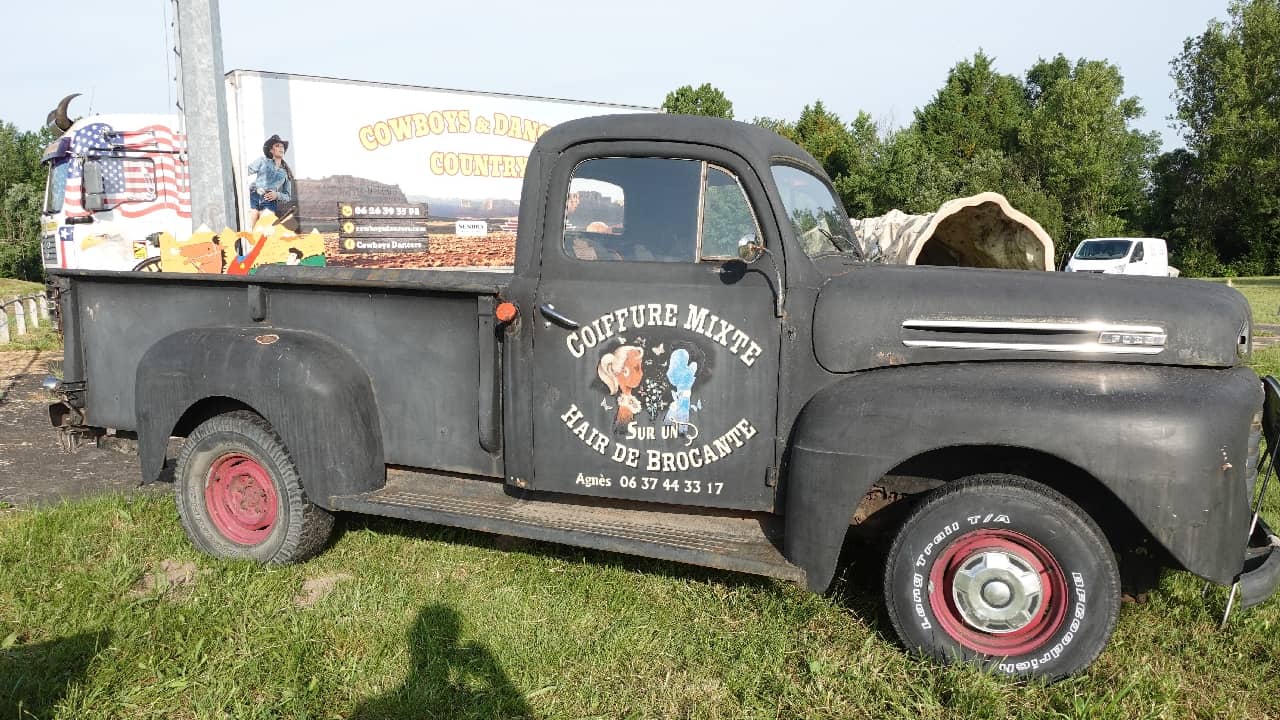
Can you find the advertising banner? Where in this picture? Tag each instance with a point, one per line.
(458, 155)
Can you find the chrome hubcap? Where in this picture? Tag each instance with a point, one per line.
(997, 592)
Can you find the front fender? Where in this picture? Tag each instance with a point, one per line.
(1170, 442)
(314, 393)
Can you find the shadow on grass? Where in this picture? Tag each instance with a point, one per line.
(33, 678)
(859, 583)
(448, 678)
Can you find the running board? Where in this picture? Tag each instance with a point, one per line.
(740, 542)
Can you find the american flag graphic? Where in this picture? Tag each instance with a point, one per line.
(142, 172)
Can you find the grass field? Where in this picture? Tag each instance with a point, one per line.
(1263, 294)
(430, 622)
(107, 612)
(11, 288)
(42, 338)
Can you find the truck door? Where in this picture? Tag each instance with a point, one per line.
(655, 349)
(52, 230)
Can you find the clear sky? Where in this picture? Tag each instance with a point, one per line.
(886, 57)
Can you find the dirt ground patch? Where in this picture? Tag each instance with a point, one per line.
(172, 578)
(314, 589)
(13, 364)
(34, 469)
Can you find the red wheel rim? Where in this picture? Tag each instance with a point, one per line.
(998, 592)
(241, 499)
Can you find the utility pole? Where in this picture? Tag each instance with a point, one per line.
(202, 97)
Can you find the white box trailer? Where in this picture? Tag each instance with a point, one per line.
(369, 145)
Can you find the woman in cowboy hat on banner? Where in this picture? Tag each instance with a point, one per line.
(273, 180)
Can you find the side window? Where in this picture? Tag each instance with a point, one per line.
(1138, 255)
(126, 180)
(726, 215)
(633, 209)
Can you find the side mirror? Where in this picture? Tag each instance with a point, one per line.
(93, 187)
(750, 249)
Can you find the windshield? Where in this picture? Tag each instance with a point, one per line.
(815, 213)
(57, 188)
(1103, 249)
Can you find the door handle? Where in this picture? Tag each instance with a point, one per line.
(549, 312)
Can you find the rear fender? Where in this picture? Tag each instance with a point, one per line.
(1170, 443)
(314, 393)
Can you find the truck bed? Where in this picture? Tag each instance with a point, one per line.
(396, 323)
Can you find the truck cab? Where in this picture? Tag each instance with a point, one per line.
(115, 182)
(1121, 256)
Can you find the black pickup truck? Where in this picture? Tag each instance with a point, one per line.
(711, 373)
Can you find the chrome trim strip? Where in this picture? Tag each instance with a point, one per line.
(1094, 328)
(1091, 326)
(1091, 347)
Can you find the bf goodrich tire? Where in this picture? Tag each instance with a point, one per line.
(239, 494)
(1002, 572)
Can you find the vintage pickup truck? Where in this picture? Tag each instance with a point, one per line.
(710, 373)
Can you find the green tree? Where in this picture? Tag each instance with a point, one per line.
(977, 109)
(826, 137)
(703, 100)
(909, 176)
(1077, 143)
(22, 181)
(20, 211)
(782, 127)
(1228, 103)
(968, 140)
(20, 231)
(1175, 211)
(19, 155)
(860, 180)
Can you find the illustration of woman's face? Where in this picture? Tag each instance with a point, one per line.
(631, 373)
(277, 150)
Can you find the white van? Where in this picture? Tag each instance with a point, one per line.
(1122, 256)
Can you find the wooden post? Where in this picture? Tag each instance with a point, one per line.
(31, 313)
(19, 317)
(4, 325)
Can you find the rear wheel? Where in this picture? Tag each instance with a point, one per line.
(1003, 572)
(239, 494)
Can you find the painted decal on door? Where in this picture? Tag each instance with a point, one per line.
(665, 408)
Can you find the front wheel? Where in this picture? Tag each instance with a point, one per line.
(239, 494)
(1005, 573)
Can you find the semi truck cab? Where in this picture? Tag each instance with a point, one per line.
(115, 182)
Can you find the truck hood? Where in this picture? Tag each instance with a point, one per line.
(871, 316)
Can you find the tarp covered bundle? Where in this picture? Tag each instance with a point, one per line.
(983, 230)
